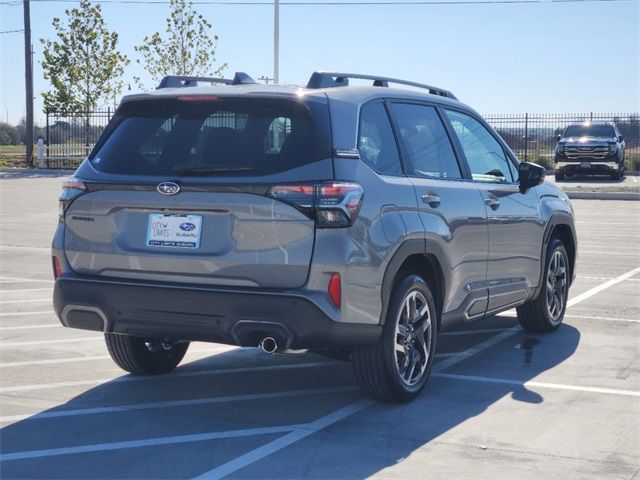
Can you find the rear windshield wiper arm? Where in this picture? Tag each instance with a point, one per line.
(204, 169)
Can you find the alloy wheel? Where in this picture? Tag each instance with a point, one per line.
(413, 338)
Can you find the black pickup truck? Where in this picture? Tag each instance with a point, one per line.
(590, 148)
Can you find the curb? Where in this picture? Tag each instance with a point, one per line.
(603, 195)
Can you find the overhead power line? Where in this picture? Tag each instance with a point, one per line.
(12, 31)
(338, 3)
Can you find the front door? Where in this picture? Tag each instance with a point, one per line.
(515, 224)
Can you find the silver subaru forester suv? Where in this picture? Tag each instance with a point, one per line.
(348, 220)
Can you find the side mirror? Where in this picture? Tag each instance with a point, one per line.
(531, 175)
(558, 137)
(620, 138)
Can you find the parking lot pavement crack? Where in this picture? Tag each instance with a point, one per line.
(536, 454)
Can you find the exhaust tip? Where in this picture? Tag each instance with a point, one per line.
(269, 345)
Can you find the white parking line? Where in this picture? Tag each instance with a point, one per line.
(30, 327)
(24, 290)
(286, 440)
(30, 300)
(176, 403)
(52, 361)
(49, 342)
(606, 278)
(610, 253)
(149, 442)
(608, 319)
(23, 280)
(556, 386)
(610, 283)
(12, 314)
(473, 332)
(259, 453)
(176, 374)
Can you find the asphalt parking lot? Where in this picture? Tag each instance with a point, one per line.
(501, 403)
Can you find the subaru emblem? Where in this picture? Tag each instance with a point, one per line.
(168, 188)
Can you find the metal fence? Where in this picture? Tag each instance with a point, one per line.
(70, 136)
(531, 136)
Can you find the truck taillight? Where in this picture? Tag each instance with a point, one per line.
(331, 204)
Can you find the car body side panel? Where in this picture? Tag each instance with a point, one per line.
(387, 218)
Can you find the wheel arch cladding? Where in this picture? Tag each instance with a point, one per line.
(564, 232)
(411, 258)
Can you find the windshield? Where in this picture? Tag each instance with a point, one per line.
(208, 136)
(585, 130)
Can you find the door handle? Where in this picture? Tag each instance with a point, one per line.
(431, 199)
(492, 202)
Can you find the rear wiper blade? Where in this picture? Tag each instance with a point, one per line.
(204, 169)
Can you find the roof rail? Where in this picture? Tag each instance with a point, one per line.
(336, 79)
(178, 81)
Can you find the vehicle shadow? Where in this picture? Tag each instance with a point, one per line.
(361, 445)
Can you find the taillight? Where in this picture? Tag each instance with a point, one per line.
(331, 204)
(72, 188)
(335, 289)
(57, 267)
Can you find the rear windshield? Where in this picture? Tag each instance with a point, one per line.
(187, 136)
(589, 131)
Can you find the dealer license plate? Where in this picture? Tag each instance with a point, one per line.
(181, 231)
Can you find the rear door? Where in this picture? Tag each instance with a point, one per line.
(451, 209)
(515, 224)
(179, 191)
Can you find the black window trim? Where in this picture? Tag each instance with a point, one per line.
(465, 174)
(393, 131)
(510, 157)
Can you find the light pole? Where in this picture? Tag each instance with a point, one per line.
(276, 41)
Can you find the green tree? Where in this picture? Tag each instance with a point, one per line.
(82, 64)
(188, 49)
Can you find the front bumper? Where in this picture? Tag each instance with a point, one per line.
(594, 166)
(191, 312)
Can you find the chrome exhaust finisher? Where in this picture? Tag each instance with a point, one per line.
(269, 345)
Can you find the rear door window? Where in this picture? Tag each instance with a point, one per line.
(217, 136)
(425, 141)
(376, 142)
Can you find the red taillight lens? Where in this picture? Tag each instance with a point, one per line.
(335, 289)
(72, 188)
(334, 204)
(57, 268)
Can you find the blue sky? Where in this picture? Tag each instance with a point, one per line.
(571, 57)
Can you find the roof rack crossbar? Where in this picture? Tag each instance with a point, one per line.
(178, 81)
(338, 79)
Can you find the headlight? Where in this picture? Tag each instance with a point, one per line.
(560, 149)
(613, 147)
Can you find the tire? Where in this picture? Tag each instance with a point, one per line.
(546, 312)
(617, 175)
(559, 176)
(378, 368)
(144, 356)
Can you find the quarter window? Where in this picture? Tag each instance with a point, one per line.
(376, 142)
(485, 155)
(426, 142)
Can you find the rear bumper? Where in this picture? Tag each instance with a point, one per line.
(191, 312)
